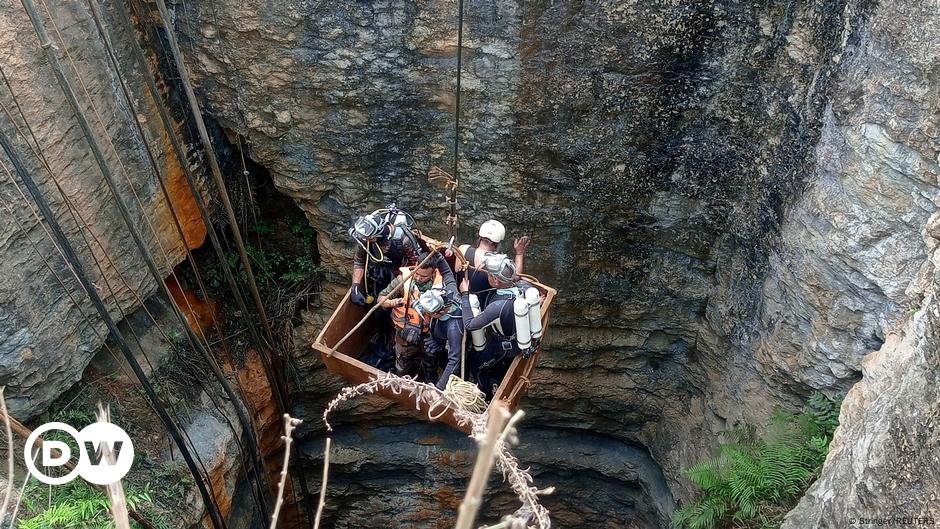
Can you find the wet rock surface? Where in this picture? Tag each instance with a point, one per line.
(414, 475)
(45, 340)
(650, 150)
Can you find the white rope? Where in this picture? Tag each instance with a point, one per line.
(531, 513)
(465, 395)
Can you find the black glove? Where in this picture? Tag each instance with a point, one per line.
(356, 296)
(431, 346)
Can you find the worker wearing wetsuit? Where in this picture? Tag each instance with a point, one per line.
(445, 335)
(492, 233)
(386, 243)
(490, 364)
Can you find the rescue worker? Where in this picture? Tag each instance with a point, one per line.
(497, 318)
(445, 337)
(386, 243)
(492, 232)
(411, 326)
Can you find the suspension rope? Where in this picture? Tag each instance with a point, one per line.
(452, 219)
(83, 226)
(79, 271)
(214, 165)
(201, 202)
(180, 153)
(279, 383)
(247, 426)
(34, 246)
(191, 337)
(46, 44)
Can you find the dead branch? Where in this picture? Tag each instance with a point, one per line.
(290, 424)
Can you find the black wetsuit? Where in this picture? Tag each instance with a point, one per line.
(478, 278)
(490, 365)
(399, 249)
(446, 330)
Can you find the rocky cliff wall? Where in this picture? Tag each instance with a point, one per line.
(883, 148)
(729, 198)
(45, 339)
(851, 248)
(651, 151)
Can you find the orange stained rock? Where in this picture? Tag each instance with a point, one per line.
(184, 203)
(198, 312)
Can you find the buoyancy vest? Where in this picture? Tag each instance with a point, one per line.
(406, 314)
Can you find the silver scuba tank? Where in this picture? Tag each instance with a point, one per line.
(477, 337)
(523, 334)
(533, 299)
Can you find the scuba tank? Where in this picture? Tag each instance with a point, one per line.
(401, 219)
(478, 337)
(535, 312)
(523, 335)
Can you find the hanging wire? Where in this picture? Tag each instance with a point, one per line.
(275, 364)
(34, 246)
(64, 85)
(452, 219)
(83, 226)
(79, 271)
(246, 423)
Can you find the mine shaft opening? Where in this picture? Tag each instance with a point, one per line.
(280, 244)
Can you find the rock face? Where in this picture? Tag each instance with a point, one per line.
(840, 278)
(883, 463)
(699, 181)
(728, 197)
(415, 475)
(48, 328)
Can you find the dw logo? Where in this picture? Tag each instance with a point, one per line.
(92, 466)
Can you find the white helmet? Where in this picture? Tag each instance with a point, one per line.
(431, 302)
(493, 230)
(500, 266)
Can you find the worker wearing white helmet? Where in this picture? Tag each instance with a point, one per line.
(492, 233)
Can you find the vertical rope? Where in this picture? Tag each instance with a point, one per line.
(79, 271)
(247, 426)
(276, 362)
(452, 220)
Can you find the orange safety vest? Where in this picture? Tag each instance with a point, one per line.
(406, 313)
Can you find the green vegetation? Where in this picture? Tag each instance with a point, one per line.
(755, 479)
(74, 505)
(276, 264)
(156, 488)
